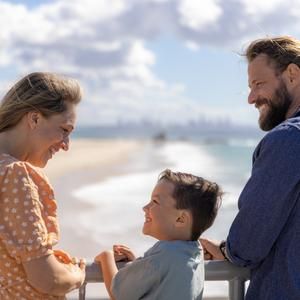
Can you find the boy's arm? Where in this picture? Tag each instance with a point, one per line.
(109, 269)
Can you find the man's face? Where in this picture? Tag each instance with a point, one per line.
(268, 92)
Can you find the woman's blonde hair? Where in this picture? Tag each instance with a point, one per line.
(44, 92)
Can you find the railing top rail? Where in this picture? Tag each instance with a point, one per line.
(214, 270)
(224, 270)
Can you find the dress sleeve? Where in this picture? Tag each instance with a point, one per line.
(22, 226)
(268, 198)
(135, 280)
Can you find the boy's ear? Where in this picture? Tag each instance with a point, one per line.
(183, 218)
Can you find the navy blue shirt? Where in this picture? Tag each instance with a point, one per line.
(265, 235)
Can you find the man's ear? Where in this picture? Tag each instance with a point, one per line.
(292, 74)
(33, 118)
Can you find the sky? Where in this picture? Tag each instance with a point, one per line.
(167, 61)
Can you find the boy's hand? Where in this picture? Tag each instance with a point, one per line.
(122, 252)
(105, 255)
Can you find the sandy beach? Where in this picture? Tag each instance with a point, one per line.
(91, 154)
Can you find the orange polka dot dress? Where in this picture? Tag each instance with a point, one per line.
(28, 225)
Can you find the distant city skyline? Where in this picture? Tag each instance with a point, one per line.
(171, 61)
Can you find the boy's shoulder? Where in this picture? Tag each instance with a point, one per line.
(175, 248)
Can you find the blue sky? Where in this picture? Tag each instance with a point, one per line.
(159, 60)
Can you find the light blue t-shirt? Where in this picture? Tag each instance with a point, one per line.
(169, 270)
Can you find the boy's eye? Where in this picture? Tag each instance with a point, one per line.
(155, 201)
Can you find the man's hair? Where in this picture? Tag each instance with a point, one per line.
(281, 51)
(43, 92)
(200, 196)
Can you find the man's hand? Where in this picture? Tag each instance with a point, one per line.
(122, 252)
(211, 249)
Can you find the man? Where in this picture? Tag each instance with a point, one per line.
(265, 235)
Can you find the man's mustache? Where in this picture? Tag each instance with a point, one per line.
(261, 101)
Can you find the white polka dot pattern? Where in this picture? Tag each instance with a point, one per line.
(28, 225)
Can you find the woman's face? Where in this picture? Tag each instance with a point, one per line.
(50, 135)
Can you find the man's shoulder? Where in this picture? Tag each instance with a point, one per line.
(291, 123)
(286, 130)
(285, 136)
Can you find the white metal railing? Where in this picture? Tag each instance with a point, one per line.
(214, 271)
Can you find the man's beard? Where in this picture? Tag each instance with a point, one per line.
(277, 108)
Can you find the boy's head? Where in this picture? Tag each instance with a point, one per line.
(182, 206)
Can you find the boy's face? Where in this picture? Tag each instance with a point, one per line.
(161, 216)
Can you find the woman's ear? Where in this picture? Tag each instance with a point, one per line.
(33, 118)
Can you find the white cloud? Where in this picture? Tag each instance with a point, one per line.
(253, 7)
(103, 43)
(192, 45)
(197, 14)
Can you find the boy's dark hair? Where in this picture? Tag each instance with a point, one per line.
(196, 194)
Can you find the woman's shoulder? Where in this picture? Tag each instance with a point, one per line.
(14, 168)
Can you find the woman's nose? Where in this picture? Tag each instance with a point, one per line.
(65, 144)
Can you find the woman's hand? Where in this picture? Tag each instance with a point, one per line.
(49, 276)
(122, 252)
(211, 249)
(78, 270)
(66, 258)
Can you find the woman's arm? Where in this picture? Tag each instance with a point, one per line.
(109, 269)
(47, 275)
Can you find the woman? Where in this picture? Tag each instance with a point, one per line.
(36, 117)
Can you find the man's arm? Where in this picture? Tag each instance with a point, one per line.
(268, 198)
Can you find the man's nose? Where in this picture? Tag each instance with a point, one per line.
(252, 97)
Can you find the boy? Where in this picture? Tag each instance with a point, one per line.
(182, 206)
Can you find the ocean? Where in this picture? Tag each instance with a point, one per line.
(117, 217)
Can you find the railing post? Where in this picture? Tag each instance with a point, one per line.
(82, 291)
(236, 289)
